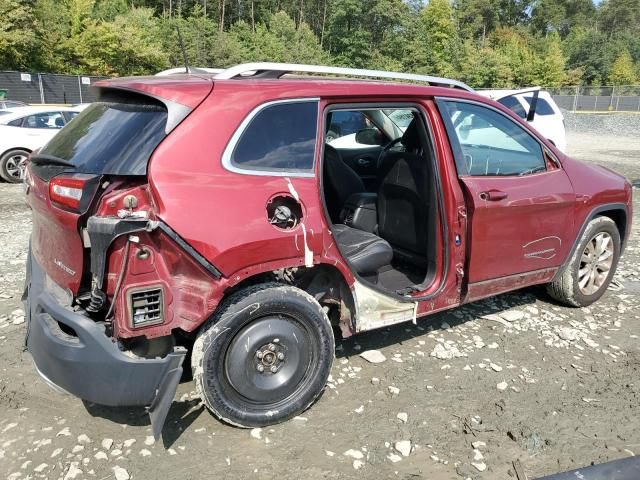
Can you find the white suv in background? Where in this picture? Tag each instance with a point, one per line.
(548, 119)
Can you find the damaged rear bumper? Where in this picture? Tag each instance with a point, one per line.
(89, 364)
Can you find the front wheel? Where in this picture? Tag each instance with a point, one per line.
(587, 275)
(12, 165)
(264, 357)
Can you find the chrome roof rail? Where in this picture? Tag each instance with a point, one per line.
(277, 70)
(183, 70)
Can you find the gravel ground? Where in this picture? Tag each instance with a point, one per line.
(460, 395)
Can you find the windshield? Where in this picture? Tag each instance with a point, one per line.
(111, 138)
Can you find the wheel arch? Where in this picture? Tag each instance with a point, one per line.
(619, 216)
(24, 149)
(616, 212)
(323, 281)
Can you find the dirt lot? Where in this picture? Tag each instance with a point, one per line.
(554, 387)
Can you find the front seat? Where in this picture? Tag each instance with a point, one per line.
(366, 252)
(402, 200)
(340, 182)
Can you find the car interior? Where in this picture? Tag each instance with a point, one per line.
(379, 187)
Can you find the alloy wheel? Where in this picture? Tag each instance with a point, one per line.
(595, 263)
(15, 165)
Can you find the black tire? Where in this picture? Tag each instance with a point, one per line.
(9, 163)
(253, 329)
(565, 288)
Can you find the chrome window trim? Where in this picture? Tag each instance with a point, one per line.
(227, 163)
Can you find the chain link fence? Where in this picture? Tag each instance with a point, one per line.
(624, 98)
(41, 88)
(70, 89)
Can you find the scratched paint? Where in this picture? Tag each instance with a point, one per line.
(543, 248)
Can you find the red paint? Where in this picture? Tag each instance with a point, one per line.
(55, 241)
(222, 214)
(188, 90)
(534, 207)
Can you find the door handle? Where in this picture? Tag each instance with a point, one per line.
(364, 162)
(493, 195)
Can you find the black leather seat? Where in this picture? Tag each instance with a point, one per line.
(365, 251)
(403, 208)
(340, 182)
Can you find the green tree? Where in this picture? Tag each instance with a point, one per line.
(200, 36)
(623, 71)
(348, 39)
(476, 18)
(485, 67)
(278, 41)
(562, 16)
(513, 46)
(17, 38)
(512, 13)
(52, 29)
(127, 46)
(436, 45)
(592, 52)
(620, 16)
(109, 9)
(550, 61)
(79, 12)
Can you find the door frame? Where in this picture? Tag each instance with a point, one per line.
(437, 287)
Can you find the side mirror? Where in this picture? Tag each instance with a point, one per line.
(369, 136)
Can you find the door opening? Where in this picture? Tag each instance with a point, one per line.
(380, 193)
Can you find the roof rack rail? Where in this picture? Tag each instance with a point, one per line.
(277, 70)
(183, 70)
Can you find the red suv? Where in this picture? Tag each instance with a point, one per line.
(244, 216)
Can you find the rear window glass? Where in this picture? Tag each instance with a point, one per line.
(111, 138)
(280, 137)
(542, 107)
(514, 105)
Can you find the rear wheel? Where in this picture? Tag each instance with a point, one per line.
(12, 165)
(588, 274)
(264, 357)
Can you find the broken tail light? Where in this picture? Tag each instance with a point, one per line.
(73, 192)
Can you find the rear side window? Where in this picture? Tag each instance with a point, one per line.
(70, 115)
(514, 105)
(16, 123)
(279, 138)
(111, 138)
(44, 120)
(542, 107)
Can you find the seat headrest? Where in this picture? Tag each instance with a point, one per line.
(411, 136)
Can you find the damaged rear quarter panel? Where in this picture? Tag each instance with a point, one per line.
(222, 214)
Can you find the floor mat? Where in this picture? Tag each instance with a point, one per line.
(397, 278)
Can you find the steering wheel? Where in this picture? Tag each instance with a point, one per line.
(386, 148)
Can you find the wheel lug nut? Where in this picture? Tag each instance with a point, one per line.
(274, 369)
(259, 354)
(260, 368)
(280, 356)
(272, 347)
